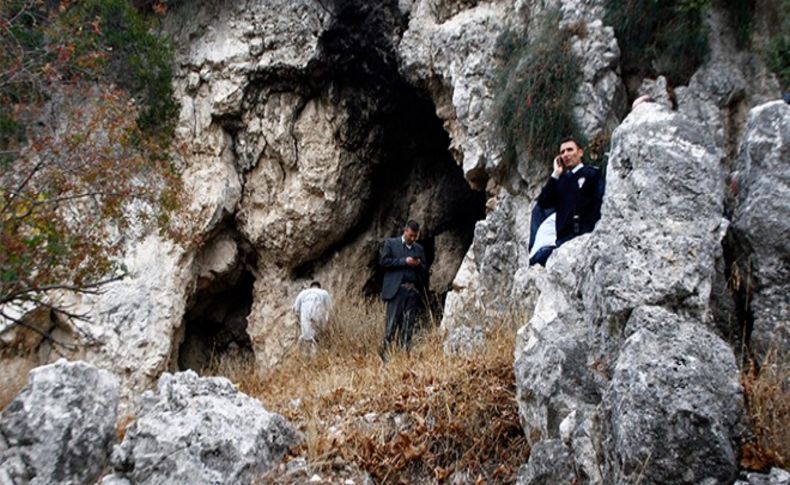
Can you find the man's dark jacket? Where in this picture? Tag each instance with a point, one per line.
(578, 208)
(393, 259)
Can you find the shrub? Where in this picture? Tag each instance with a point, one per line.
(89, 40)
(741, 19)
(659, 37)
(134, 58)
(86, 116)
(776, 50)
(539, 78)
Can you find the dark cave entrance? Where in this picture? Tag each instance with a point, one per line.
(418, 177)
(215, 321)
(415, 174)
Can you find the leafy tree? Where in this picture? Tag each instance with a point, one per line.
(86, 118)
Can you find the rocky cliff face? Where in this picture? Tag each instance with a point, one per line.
(310, 131)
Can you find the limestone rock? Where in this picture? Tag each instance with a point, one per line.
(732, 81)
(656, 244)
(676, 402)
(483, 284)
(761, 223)
(550, 462)
(554, 368)
(657, 90)
(135, 320)
(306, 190)
(661, 223)
(451, 58)
(776, 476)
(200, 431)
(60, 428)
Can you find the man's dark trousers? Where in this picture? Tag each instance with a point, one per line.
(402, 312)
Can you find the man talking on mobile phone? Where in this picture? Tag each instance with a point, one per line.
(575, 193)
(405, 270)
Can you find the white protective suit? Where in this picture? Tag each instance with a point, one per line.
(312, 307)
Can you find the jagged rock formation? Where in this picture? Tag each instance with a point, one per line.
(761, 228)
(489, 271)
(621, 320)
(60, 428)
(309, 130)
(199, 430)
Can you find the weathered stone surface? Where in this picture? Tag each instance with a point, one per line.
(582, 432)
(451, 58)
(200, 431)
(550, 463)
(777, 476)
(656, 244)
(676, 402)
(761, 224)
(657, 90)
(554, 365)
(727, 85)
(135, 320)
(306, 190)
(661, 224)
(60, 428)
(483, 285)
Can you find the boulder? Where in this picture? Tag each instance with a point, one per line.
(676, 402)
(661, 226)
(195, 430)
(655, 247)
(554, 359)
(761, 224)
(60, 428)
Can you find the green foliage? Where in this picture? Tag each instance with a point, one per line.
(137, 60)
(538, 82)
(777, 56)
(776, 50)
(659, 36)
(86, 118)
(741, 17)
(91, 40)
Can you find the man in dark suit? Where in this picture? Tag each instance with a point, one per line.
(575, 192)
(405, 270)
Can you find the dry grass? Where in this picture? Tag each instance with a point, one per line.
(420, 417)
(767, 393)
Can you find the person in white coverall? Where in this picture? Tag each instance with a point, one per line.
(312, 307)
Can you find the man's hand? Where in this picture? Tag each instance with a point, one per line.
(558, 167)
(412, 261)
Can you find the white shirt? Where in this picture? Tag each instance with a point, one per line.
(312, 306)
(573, 170)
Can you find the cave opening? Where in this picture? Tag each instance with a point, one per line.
(418, 177)
(215, 322)
(415, 175)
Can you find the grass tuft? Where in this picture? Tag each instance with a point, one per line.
(767, 394)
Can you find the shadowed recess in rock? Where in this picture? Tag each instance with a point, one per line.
(215, 325)
(414, 174)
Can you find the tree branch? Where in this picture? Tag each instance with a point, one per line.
(44, 334)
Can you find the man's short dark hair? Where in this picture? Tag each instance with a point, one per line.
(413, 226)
(571, 138)
(315, 284)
